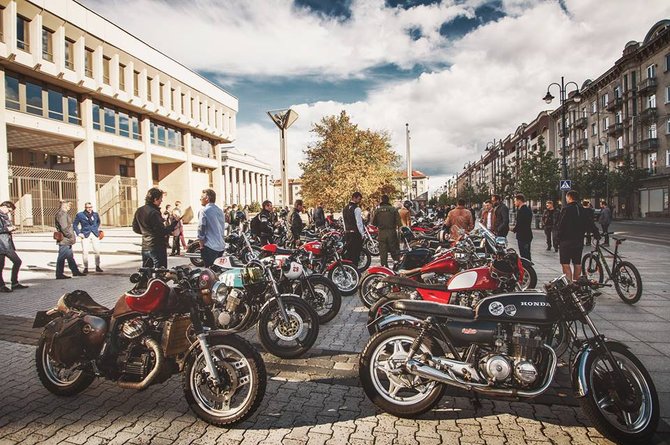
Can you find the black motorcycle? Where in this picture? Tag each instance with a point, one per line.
(154, 331)
(501, 348)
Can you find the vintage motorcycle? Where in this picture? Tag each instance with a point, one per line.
(153, 332)
(501, 348)
(323, 257)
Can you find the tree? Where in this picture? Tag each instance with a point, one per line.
(626, 181)
(539, 175)
(446, 200)
(590, 179)
(432, 201)
(345, 159)
(504, 182)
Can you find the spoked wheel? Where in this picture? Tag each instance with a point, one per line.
(529, 280)
(364, 261)
(592, 268)
(58, 379)
(627, 282)
(367, 291)
(195, 248)
(626, 415)
(242, 378)
(288, 339)
(373, 247)
(345, 278)
(326, 299)
(385, 380)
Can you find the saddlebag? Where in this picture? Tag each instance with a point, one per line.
(64, 340)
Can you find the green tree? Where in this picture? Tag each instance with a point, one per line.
(504, 182)
(590, 179)
(446, 200)
(539, 175)
(345, 159)
(626, 181)
(432, 201)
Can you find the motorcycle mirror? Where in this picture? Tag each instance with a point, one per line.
(135, 278)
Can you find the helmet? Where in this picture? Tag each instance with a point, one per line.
(407, 204)
(292, 270)
(240, 216)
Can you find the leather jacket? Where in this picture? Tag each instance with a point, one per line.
(149, 222)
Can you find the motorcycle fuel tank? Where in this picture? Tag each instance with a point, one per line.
(520, 307)
(313, 247)
(443, 265)
(152, 299)
(232, 277)
(415, 258)
(478, 278)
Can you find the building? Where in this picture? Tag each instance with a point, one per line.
(294, 192)
(92, 113)
(419, 183)
(245, 179)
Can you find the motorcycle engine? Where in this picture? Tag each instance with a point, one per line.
(514, 357)
(435, 278)
(228, 315)
(133, 328)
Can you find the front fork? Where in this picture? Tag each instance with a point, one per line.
(209, 362)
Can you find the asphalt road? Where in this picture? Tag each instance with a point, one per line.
(650, 232)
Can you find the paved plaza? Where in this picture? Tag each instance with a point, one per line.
(316, 399)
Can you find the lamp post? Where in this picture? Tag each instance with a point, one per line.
(603, 144)
(563, 96)
(283, 119)
(409, 163)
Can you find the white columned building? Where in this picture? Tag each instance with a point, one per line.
(243, 176)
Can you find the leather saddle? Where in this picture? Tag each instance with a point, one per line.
(428, 308)
(81, 301)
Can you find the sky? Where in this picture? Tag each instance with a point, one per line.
(459, 72)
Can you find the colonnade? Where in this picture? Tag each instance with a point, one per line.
(242, 186)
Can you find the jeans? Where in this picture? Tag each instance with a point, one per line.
(209, 255)
(175, 245)
(65, 253)
(547, 234)
(606, 228)
(16, 265)
(157, 257)
(86, 244)
(524, 249)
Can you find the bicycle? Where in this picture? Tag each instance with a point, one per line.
(623, 274)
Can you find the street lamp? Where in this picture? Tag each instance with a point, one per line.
(283, 119)
(604, 146)
(563, 96)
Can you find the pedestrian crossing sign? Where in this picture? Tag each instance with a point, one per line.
(566, 185)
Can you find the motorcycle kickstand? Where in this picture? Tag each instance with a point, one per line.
(475, 401)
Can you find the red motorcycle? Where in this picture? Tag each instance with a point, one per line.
(323, 257)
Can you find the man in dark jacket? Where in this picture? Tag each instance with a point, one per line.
(524, 233)
(149, 223)
(319, 217)
(572, 225)
(605, 219)
(64, 226)
(7, 248)
(548, 224)
(262, 225)
(87, 228)
(295, 223)
(354, 229)
(387, 219)
(500, 216)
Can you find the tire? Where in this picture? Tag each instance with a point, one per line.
(366, 290)
(529, 281)
(326, 291)
(53, 383)
(270, 324)
(592, 268)
(345, 277)
(372, 383)
(195, 248)
(627, 278)
(373, 247)
(364, 261)
(597, 392)
(239, 361)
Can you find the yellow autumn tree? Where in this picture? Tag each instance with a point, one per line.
(345, 159)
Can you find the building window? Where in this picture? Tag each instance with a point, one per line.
(625, 82)
(651, 71)
(136, 83)
(122, 77)
(192, 107)
(652, 134)
(651, 101)
(161, 94)
(619, 142)
(12, 94)
(96, 116)
(2, 31)
(55, 103)
(667, 62)
(202, 147)
(208, 111)
(667, 125)
(69, 54)
(586, 155)
(34, 98)
(183, 103)
(149, 88)
(106, 62)
(651, 162)
(594, 130)
(22, 33)
(606, 123)
(88, 62)
(594, 107)
(166, 136)
(124, 125)
(47, 44)
(617, 91)
(667, 94)
(618, 117)
(667, 157)
(116, 121)
(605, 99)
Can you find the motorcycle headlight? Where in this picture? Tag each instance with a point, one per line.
(220, 292)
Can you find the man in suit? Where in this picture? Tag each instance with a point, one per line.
(500, 216)
(524, 234)
(87, 228)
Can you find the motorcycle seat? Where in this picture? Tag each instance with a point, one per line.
(435, 309)
(81, 301)
(406, 282)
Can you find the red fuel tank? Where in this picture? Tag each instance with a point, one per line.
(152, 299)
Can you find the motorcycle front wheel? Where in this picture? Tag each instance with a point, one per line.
(385, 382)
(288, 339)
(373, 247)
(529, 280)
(242, 375)
(58, 379)
(367, 291)
(345, 278)
(364, 260)
(625, 416)
(195, 248)
(326, 299)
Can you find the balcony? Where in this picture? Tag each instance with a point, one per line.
(647, 85)
(582, 143)
(615, 129)
(648, 115)
(615, 104)
(649, 144)
(581, 122)
(615, 154)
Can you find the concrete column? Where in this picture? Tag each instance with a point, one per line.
(252, 186)
(269, 192)
(4, 155)
(245, 189)
(84, 159)
(234, 186)
(192, 196)
(9, 26)
(143, 172)
(217, 178)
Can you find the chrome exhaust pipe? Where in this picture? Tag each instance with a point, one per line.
(158, 352)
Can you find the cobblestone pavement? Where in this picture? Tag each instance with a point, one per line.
(315, 399)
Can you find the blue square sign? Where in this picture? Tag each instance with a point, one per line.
(565, 185)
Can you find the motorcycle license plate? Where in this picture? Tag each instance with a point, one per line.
(42, 319)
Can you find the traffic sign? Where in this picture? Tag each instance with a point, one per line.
(566, 185)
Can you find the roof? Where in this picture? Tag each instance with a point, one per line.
(416, 174)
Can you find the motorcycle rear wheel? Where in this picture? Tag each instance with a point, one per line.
(326, 302)
(364, 260)
(345, 277)
(366, 291)
(195, 248)
(529, 277)
(55, 378)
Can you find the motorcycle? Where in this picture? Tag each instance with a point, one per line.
(250, 295)
(370, 242)
(153, 332)
(238, 243)
(501, 349)
(323, 258)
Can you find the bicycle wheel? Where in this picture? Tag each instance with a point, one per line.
(592, 268)
(627, 282)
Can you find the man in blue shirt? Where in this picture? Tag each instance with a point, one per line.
(87, 227)
(211, 228)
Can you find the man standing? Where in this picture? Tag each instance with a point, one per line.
(572, 225)
(87, 228)
(548, 223)
(387, 219)
(65, 228)
(262, 225)
(524, 234)
(7, 248)
(211, 228)
(605, 219)
(486, 218)
(295, 223)
(319, 217)
(500, 216)
(150, 224)
(406, 214)
(590, 213)
(459, 218)
(353, 228)
(179, 214)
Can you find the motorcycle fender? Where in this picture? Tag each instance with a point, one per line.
(380, 269)
(580, 384)
(274, 298)
(196, 344)
(525, 261)
(333, 265)
(383, 322)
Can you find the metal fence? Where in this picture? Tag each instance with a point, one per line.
(37, 193)
(117, 199)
